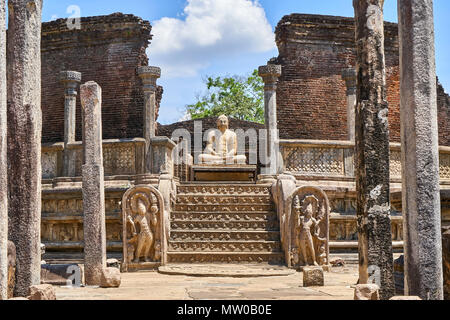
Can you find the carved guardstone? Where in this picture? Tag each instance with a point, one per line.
(308, 230)
(143, 229)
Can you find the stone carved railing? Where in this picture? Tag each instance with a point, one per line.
(120, 157)
(335, 159)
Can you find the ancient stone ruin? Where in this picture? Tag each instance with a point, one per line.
(95, 177)
(308, 221)
(143, 233)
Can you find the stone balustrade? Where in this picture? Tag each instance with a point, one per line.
(121, 157)
(335, 159)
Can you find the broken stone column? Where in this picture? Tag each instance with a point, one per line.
(372, 150)
(70, 79)
(24, 139)
(3, 161)
(349, 75)
(420, 154)
(270, 74)
(149, 75)
(93, 184)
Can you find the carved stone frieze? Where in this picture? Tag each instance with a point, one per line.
(189, 216)
(271, 258)
(49, 161)
(395, 164)
(221, 208)
(444, 165)
(230, 246)
(224, 190)
(301, 160)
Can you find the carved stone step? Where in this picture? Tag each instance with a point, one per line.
(224, 189)
(223, 208)
(224, 199)
(224, 235)
(225, 257)
(272, 225)
(224, 216)
(222, 246)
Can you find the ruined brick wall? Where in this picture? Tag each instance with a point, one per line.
(311, 95)
(443, 116)
(107, 50)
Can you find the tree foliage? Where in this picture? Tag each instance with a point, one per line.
(237, 97)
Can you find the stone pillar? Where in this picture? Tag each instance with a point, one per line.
(24, 139)
(420, 154)
(70, 79)
(349, 75)
(270, 74)
(93, 184)
(372, 150)
(3, 161)
(149, 75)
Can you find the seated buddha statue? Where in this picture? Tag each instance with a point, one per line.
(221, 146)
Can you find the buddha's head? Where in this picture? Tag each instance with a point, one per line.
(222, 123)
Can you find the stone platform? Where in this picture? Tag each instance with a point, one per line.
(220, 172)
(226, 270)
(152, 285)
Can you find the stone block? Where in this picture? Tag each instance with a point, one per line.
(367, 292)
(313, 277)
(42, 292)
(400, 298)
(59, 275)
(110, 278)
(113, 263)
(337, 262)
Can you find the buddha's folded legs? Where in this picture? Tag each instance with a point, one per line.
(210, 159)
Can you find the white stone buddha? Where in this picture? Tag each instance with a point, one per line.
(221, 146)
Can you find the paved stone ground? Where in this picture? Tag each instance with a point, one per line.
(156, 286)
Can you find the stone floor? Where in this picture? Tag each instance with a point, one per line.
(156, 286)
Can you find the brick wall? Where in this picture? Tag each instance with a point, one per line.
(107, 50)
(311, 95)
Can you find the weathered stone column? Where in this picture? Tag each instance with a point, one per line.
(24, 139)
(93, 184)
(372, 150)
(149, 75)
(420, 154)
(70, 79)
(3, 161)
(270, 74)
(349, 75)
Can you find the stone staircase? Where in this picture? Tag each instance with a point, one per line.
(217, 223)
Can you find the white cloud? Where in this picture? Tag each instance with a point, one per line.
(211, 29)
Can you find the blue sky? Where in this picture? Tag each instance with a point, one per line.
(196, 38)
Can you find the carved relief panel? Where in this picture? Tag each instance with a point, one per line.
(308, 228)
(143, 236)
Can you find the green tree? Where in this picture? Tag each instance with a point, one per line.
(237, 97)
